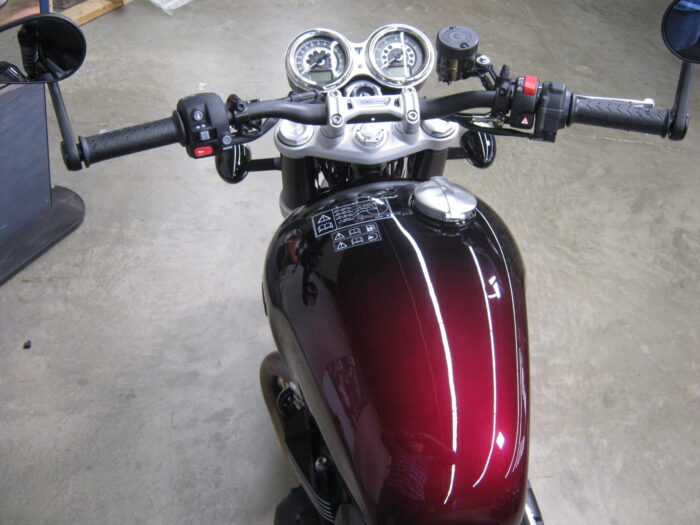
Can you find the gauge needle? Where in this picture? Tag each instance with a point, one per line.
(334, 59)
(314, 64)
(396, 58)
(403, 52)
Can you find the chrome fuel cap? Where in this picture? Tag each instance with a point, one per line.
(443, 200)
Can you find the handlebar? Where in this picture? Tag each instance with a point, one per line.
(556, 107)
(295, 111)
(317, 114)
(141, 137)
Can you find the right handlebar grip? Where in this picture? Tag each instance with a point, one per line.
(133, 139)
(619, 115)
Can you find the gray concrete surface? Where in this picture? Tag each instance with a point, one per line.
(138, 400)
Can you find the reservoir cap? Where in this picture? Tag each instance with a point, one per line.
(457, 42)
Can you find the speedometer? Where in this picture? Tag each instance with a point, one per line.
(400, 55)
(318, 59)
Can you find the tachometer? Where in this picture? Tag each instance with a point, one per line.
(318, 59)
(400, 55)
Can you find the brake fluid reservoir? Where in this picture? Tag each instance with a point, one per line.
(456, 49)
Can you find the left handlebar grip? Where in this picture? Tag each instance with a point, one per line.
(141, 137)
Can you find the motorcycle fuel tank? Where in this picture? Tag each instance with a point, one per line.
(407, 337)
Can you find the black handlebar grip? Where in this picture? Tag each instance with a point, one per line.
(137, 138)
(619, 115)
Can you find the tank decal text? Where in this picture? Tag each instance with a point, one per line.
(355, 236)
(351, 215)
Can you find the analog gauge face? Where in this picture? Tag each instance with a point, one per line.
(394, 56)
(399, 55)
(320, 60)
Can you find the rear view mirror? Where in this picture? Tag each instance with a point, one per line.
(681, 29)
(46, 48)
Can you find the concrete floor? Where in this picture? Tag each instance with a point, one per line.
(138, 401)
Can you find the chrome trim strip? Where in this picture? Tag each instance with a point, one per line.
(646, 103)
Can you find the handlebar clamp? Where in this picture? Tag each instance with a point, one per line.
(404, 107)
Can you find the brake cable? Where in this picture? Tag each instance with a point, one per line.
(466, 120)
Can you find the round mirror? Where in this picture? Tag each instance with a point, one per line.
(45, 48)
(681, 29)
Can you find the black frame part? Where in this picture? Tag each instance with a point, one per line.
(69, 149)
(65, 215)
(64, 210)
(681, 117)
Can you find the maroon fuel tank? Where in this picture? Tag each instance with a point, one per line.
(408, 339)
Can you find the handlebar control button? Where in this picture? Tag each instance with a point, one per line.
(226, 139)
(205, 119)
(523, 105)
(530, 85)
(203, 151)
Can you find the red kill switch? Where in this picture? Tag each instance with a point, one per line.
(530, 85)
(203, 151)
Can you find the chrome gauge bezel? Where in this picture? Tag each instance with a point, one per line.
(295, 77)
(375, 68)
(360, 62)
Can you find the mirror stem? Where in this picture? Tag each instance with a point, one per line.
(71, 157)
(680, 106)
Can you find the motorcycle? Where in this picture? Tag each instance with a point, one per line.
(400, 388)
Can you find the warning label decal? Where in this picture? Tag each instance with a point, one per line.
(350, 215)
(356, 236)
